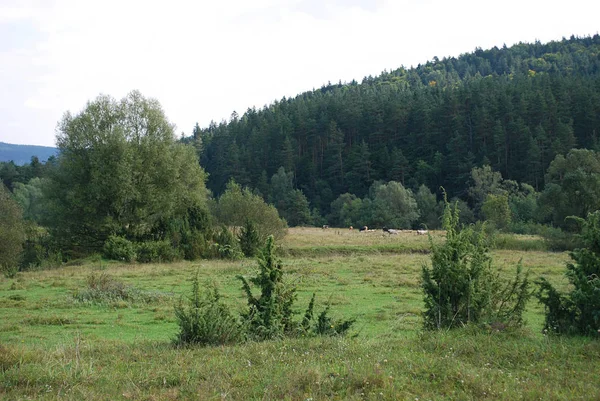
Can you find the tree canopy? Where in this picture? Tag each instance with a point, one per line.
(120, 172)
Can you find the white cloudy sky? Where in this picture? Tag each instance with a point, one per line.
(204, 59)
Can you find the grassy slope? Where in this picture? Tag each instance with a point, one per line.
(53, 347)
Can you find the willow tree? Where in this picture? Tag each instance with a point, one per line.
(121, 172)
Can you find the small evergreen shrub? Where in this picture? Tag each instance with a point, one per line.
(156, 252)
(195, 246)
(249, 239)
(118, 248)
(205, 320)
(227, 244)
(577, 311)
(460, 286)
(270, 315)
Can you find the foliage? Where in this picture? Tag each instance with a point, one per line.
(512, 109)
(12, 233)
(572, 187)
(485, 182)
(430, 210)
(496, 211)
(249, 239)
(119, 248)
(156, 252)
(227, 245)
(29, 197)
(523, 205)
(578, 310)
(205, 320)
(119, 172)
(270, 315)
(460, 286)
(393, 206)
(291, 203)
(237, 205)
(388, 204)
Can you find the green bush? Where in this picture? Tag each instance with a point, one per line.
(249, 239)
(577, 311)
(118, 248)
(460, 286)
(156, 252)
(270, 316)
(227, 244)
(195, 246)
(205, 320)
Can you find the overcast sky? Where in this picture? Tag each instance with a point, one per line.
(204, 59)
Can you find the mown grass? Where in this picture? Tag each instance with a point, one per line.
(56, 346)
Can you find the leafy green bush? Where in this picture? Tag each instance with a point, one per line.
(156, 252)
(578, 311)
(460, 286)
(205, 320)
(119, 248)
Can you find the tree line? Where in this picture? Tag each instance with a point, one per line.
(514, 109)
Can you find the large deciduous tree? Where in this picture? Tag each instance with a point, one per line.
(121, 172)
(572, 186)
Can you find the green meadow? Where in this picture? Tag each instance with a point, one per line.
(57, 343)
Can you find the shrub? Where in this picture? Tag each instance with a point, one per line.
(103, 288)
(249, 238)
(205, 320)
(270, 315)
(195, 246)
(578, 311)
(119, 248)
(227, 245)
(237, 204)
(461, 288)
(156, 252)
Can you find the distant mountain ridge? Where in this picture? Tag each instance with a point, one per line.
(22, 154)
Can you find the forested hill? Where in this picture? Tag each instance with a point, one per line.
(22, 154)
(514, 108)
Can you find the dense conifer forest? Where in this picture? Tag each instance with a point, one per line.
(512, 108)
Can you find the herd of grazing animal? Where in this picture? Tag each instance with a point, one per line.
(390, 231)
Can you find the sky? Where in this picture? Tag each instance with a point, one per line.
(202, 59)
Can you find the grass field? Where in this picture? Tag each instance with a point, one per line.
(56, 345)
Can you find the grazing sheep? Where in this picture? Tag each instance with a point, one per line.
(422, 232)
(325, 226)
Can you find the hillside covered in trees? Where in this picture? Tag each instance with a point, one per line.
(508, 135)
(512, 108)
